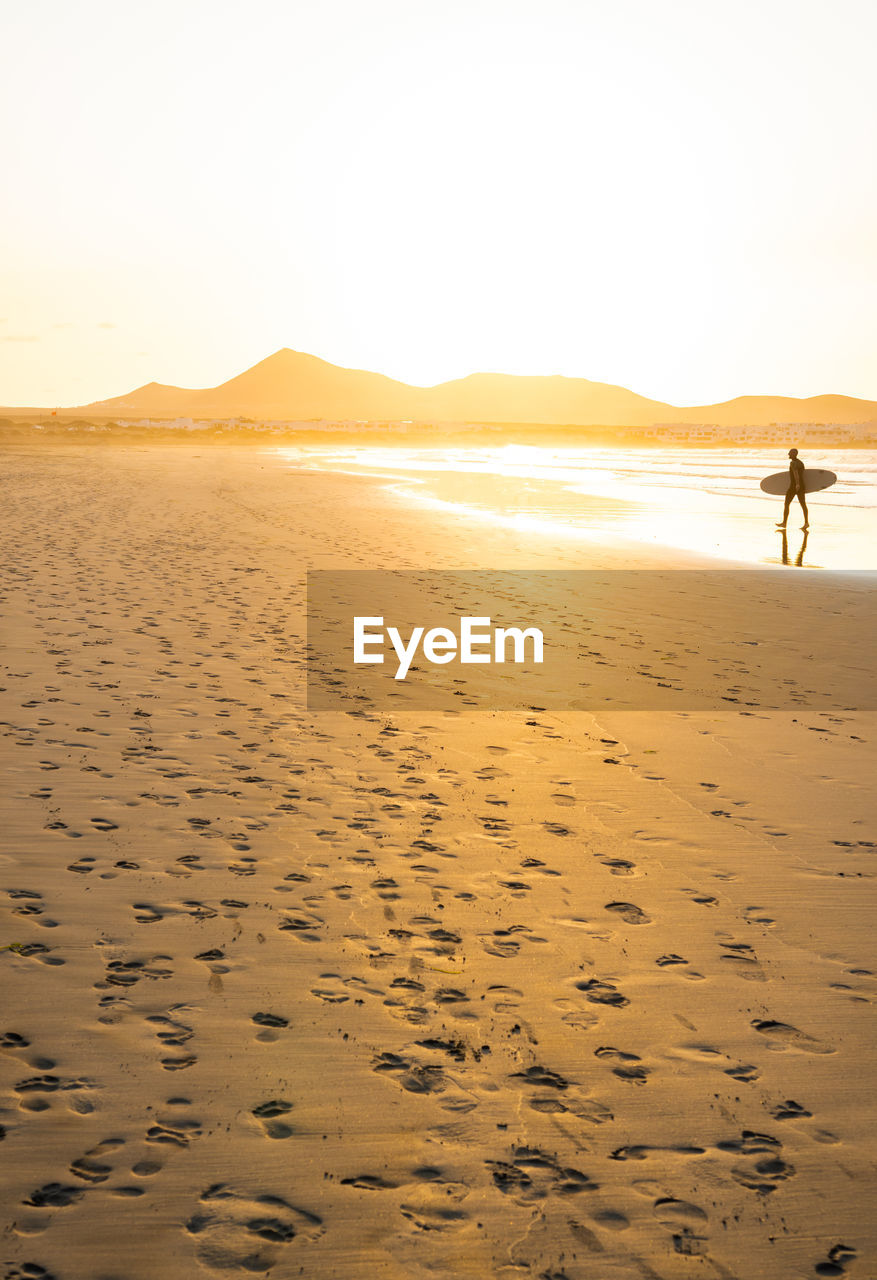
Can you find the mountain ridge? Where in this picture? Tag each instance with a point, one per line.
(290, 385)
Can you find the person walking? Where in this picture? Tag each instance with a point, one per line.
(795, 489)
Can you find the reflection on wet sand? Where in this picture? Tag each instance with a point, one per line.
(799, 558)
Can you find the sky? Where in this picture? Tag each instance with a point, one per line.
(678, 196)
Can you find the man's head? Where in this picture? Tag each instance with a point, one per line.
(793, 453)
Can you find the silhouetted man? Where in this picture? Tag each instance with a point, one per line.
(795, 489)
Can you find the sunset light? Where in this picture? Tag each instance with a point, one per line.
(438, 697)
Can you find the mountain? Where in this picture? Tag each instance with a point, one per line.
(294, 386)
(288, 385)
(762, 410)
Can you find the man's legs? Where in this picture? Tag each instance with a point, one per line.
(804, 509)
(790, 493)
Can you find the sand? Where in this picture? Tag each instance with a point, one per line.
(385, 996)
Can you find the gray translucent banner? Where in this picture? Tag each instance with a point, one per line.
(625, 640)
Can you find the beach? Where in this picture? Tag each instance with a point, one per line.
(363, 994)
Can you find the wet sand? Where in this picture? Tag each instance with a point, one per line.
(342, 995)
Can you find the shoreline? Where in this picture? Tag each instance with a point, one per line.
(575, 497)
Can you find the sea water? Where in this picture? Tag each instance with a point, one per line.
(705, 500)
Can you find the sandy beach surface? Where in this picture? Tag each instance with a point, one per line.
(566, 996)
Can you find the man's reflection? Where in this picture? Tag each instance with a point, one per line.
(799, 558)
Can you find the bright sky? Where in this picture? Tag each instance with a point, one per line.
(674, 195)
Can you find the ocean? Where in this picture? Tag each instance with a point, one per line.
(702, 500)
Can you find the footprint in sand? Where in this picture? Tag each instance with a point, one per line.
(31, 902)
(212, 959)
(104, 824)
(675, 1213)
(146, 913)
(686, 1221)
(198, 910)
(542, 1077)
(557, 829)
(533, 1175)
(456, 1049)
(745, 1072)
(763, 1176)
(412, 1076)
(174, 1133)
(304, 925)
(602, 993)
(629, 912)
(626, 1066)
(83, 866)
(757, 915)
(536, 864)
(408, 1007)
(45, 1084)
(489, 773)
(782, 1036)
(564, 799)
(368, 1182)
(750, 1143)
(11, 1040)
(125, 973)
(504, 943)
(54, 1195)
(559, 1097)
(170, 1032)
(333, 990)
(619, 866)
(790, 1110)
(89, 1168)
(272, 1024)
(741, 958)
(702, 899)
(235, 1232)
(434, 1205)
(760, 1175)
(836, 1259)
(267, 1113)
(180, 1063)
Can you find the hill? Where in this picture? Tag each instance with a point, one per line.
(293, 386)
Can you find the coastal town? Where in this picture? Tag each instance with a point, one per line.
(808, 434)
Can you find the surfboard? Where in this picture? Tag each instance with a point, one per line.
(814, 480)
